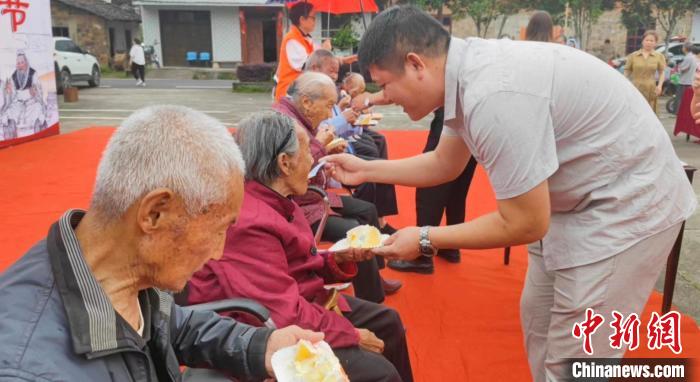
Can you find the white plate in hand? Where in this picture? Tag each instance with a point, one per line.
(283, 362)
(342, 245)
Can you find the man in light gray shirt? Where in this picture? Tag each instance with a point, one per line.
(686, 68)
(579, 163)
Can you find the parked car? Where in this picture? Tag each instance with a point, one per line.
(73, 64)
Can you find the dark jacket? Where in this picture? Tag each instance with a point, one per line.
(57, 324)
(270, 257)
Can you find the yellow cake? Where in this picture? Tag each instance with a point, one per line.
(334, 143)
(314, 364)
(364, 236)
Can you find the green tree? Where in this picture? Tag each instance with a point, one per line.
(433, 6)
(508, 8)
(668, 12)
(584, 13)
(482, 12)
(637, 14)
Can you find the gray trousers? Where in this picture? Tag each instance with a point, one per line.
(553, 301)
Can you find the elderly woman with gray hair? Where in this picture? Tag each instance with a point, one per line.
(309, 102)
(168, 186)
(270, 256)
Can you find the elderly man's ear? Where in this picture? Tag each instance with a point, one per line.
(156, 208)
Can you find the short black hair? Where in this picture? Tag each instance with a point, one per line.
(299, 9)
(137, 41)
(398, 31)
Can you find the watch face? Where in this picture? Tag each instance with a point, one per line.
(427, 249)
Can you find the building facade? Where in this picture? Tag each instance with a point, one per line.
(101, 28)
(230, 31)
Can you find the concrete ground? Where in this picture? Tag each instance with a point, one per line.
(116, 99)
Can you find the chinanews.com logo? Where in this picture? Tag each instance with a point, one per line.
(662, 331)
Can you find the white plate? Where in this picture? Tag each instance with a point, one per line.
(342, 244)
(283, 362)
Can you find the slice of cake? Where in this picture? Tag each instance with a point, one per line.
(364, 236)
(317, 364)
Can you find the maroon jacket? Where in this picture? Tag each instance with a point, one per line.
(311, 202)
(270, 256)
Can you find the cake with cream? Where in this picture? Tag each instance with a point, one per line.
(316, 364)
(364, 236)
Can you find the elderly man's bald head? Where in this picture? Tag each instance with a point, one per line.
(172, 147)
(312, 85)
(325, 62)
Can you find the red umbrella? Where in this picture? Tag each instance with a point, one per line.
(338, 7)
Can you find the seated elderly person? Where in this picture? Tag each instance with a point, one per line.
(309, 102)
(369, 144)
(270, 256)
(86, 303)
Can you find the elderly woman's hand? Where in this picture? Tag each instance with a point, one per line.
(354, 255)
(325, 134)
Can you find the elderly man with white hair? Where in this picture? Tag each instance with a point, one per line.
(87, 303)
(25, 101)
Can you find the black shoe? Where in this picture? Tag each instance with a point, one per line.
(451, 255)
(387, 229)
(421, 265)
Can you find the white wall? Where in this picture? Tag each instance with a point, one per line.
(226, 34)
(151, 29)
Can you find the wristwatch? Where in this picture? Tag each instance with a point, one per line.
(426, 247)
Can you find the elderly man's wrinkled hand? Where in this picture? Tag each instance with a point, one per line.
(344, 102)
(325, 134)
(403, 245)
(350, 115)
(340, 148)
(281, 338)
(361, 102)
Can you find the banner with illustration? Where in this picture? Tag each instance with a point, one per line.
(28, 103)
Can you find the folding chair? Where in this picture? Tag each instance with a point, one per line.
(191, 58)
(204, 58)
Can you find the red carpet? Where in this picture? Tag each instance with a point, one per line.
(463, 322)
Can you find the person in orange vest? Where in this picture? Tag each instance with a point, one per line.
(297, 46)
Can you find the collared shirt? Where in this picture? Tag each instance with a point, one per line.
(687, 69)
(644, 70)
(532, 111)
